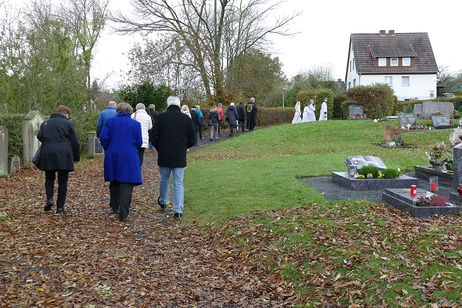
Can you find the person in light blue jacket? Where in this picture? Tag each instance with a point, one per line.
(121, 139)
(104, 115)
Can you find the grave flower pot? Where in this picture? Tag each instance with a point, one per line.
(436, 162)
(459, 190)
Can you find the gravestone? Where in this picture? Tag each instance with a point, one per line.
(417, 110)
(390, 131)
(355, 111)
(406, 118)
(457, 159)
(30, 128)
(429, 108)
(404, 108)
(15, 164)
(441, 121)
(361, 161)
(3, 151)
(95, 149)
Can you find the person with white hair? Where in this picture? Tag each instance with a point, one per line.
(298, 115)
(231, 116)
(172, 135)
(323, 113)
(311, 110)
(104, 115)
(185, 110)
(146, 124)
(251, 114)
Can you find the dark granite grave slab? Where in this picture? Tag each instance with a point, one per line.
(401, 199)
(425, 172)
(455, 197)
(342, 179)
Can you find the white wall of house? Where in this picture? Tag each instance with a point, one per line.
(420, 86)
(352, 74)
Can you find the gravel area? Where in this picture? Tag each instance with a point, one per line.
(334, 192)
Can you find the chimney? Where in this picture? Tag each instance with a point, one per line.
(391, 32)
(382, 32)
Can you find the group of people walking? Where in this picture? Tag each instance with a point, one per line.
(125, 135)
(308, 112)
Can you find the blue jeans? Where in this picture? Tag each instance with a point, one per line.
(178, 189)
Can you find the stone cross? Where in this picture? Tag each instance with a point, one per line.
(457, 165)
(3, 151)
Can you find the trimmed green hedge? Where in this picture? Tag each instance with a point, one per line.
(372, 96)
(13, 122)
(337, 106)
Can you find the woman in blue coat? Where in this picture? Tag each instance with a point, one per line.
(121, 139)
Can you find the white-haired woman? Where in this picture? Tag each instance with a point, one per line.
(297, 116)
(185, 110)
(146, 124)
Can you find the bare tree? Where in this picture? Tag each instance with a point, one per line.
(87, 19)
(213, 32)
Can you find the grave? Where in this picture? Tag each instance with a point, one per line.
(392, 131)
(400, 198)
(355, 111)
(95, 149)
(15, 164)
(444, 177)
(30, 128)
(417, 110)
(441, 122)
(457, 176)
(430, 108)
(3, 151)
(342, 179)
(406, 119)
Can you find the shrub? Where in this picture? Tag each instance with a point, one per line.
(372, 96)
(337, 106)
(460, 108)
(390, 173)
(378, 112)
(457, 115)
(84, 123)
(318, 96)
(369, 169)
(146, 93)
(408, 109)
(13, 122)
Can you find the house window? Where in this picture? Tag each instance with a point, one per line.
(354, 83)
(389, 80)
(406, 61)
(393, 61)
(349, 84)
(382, 61)
(351, 65)
(405, 81)
(353, 62)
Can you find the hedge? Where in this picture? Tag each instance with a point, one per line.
(337, 106)
(319, 94)
(370, 97)
(13, 122)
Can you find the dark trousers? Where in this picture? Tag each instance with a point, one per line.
(200, 132)
(242, 124)
(121, 197)
(50, 176)
(231, 129)
(141, 155)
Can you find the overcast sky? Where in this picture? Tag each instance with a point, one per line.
(324, 29)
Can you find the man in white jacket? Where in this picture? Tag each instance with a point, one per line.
(323, 113)
(146, 124)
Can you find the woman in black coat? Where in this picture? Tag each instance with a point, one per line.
(60, 149)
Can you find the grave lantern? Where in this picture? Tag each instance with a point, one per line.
(433, 183)
(352, 170)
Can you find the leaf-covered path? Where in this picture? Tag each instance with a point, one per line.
(87, 257)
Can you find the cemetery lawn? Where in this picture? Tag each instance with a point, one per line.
(330, 252)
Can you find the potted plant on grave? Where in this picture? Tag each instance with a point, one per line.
(435, 200)
(437, 155)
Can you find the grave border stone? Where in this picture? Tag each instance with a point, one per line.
(442, 125)
(92, 146)
(400, 199)
(424, 172)
(342, 179)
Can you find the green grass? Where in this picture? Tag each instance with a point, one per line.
(259, 170)
(331, 252)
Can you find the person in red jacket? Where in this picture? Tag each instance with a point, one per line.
(220, 116)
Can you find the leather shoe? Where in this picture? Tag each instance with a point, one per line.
(162, 206)
(178, 216)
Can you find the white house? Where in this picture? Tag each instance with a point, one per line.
(405, 61)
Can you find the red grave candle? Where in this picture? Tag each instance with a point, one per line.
(413, 190)
(433, 186)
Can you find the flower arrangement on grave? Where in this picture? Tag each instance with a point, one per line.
(434, 200)
(438, 154)
(369, 171)
(389, 173)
